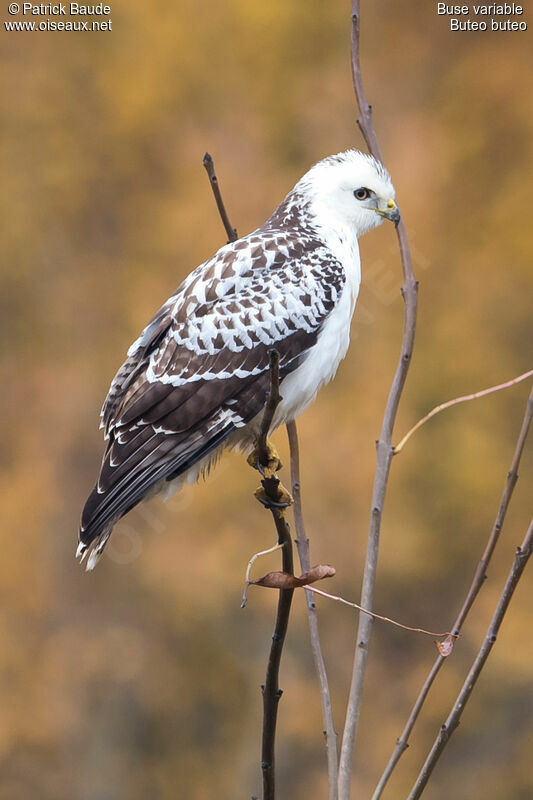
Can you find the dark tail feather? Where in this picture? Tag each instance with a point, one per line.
(98, 542)
(104, 509)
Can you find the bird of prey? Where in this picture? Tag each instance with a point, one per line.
(196, 379)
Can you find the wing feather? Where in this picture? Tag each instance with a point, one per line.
(199, 370)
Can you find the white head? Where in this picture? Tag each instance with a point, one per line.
(350, 189)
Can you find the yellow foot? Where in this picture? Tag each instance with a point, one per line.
(277, 497)
(273, 463)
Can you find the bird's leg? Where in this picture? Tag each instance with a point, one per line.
(264, 458)
(272, 494)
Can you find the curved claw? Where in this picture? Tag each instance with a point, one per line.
(272, 465)
(285, 498)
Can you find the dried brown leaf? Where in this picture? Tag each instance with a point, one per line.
(282, 580)
(276, 580)
(317, 573)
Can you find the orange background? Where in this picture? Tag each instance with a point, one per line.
(142, 679)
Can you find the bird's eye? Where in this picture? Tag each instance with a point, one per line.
(362, 194)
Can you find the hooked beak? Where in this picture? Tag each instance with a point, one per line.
(392, 212)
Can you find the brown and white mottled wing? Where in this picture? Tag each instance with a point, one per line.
(200, 369)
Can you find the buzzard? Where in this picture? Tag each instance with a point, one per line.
(196, 379)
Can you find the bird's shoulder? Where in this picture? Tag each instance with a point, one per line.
(272, 277)
(257, 259)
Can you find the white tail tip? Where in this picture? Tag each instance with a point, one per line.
(93, 560)
(81, 552)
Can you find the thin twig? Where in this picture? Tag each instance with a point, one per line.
(448, 728)
(384, 445)
(209, 165)
(302, 544)
(365, 110)
(379, 616)
(251, 562)
(457, 400)
(477, 582)
(271, 692)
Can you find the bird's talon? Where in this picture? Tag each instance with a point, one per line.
(267, 467)
(286, 498)
(260, 495)
(283, 497)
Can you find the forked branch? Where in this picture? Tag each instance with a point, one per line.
(448, 728)
(477, 582)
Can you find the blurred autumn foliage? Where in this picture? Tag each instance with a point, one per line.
(142, 679)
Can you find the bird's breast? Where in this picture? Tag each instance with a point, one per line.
(319, 367)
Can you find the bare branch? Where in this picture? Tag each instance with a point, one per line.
(477, 582)
(384, 445)
(448, 728)
(209, 165)
(302, 544)
(271, 690)
(274, 497)
(365, 120)
(457, 400)
(446, 635)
